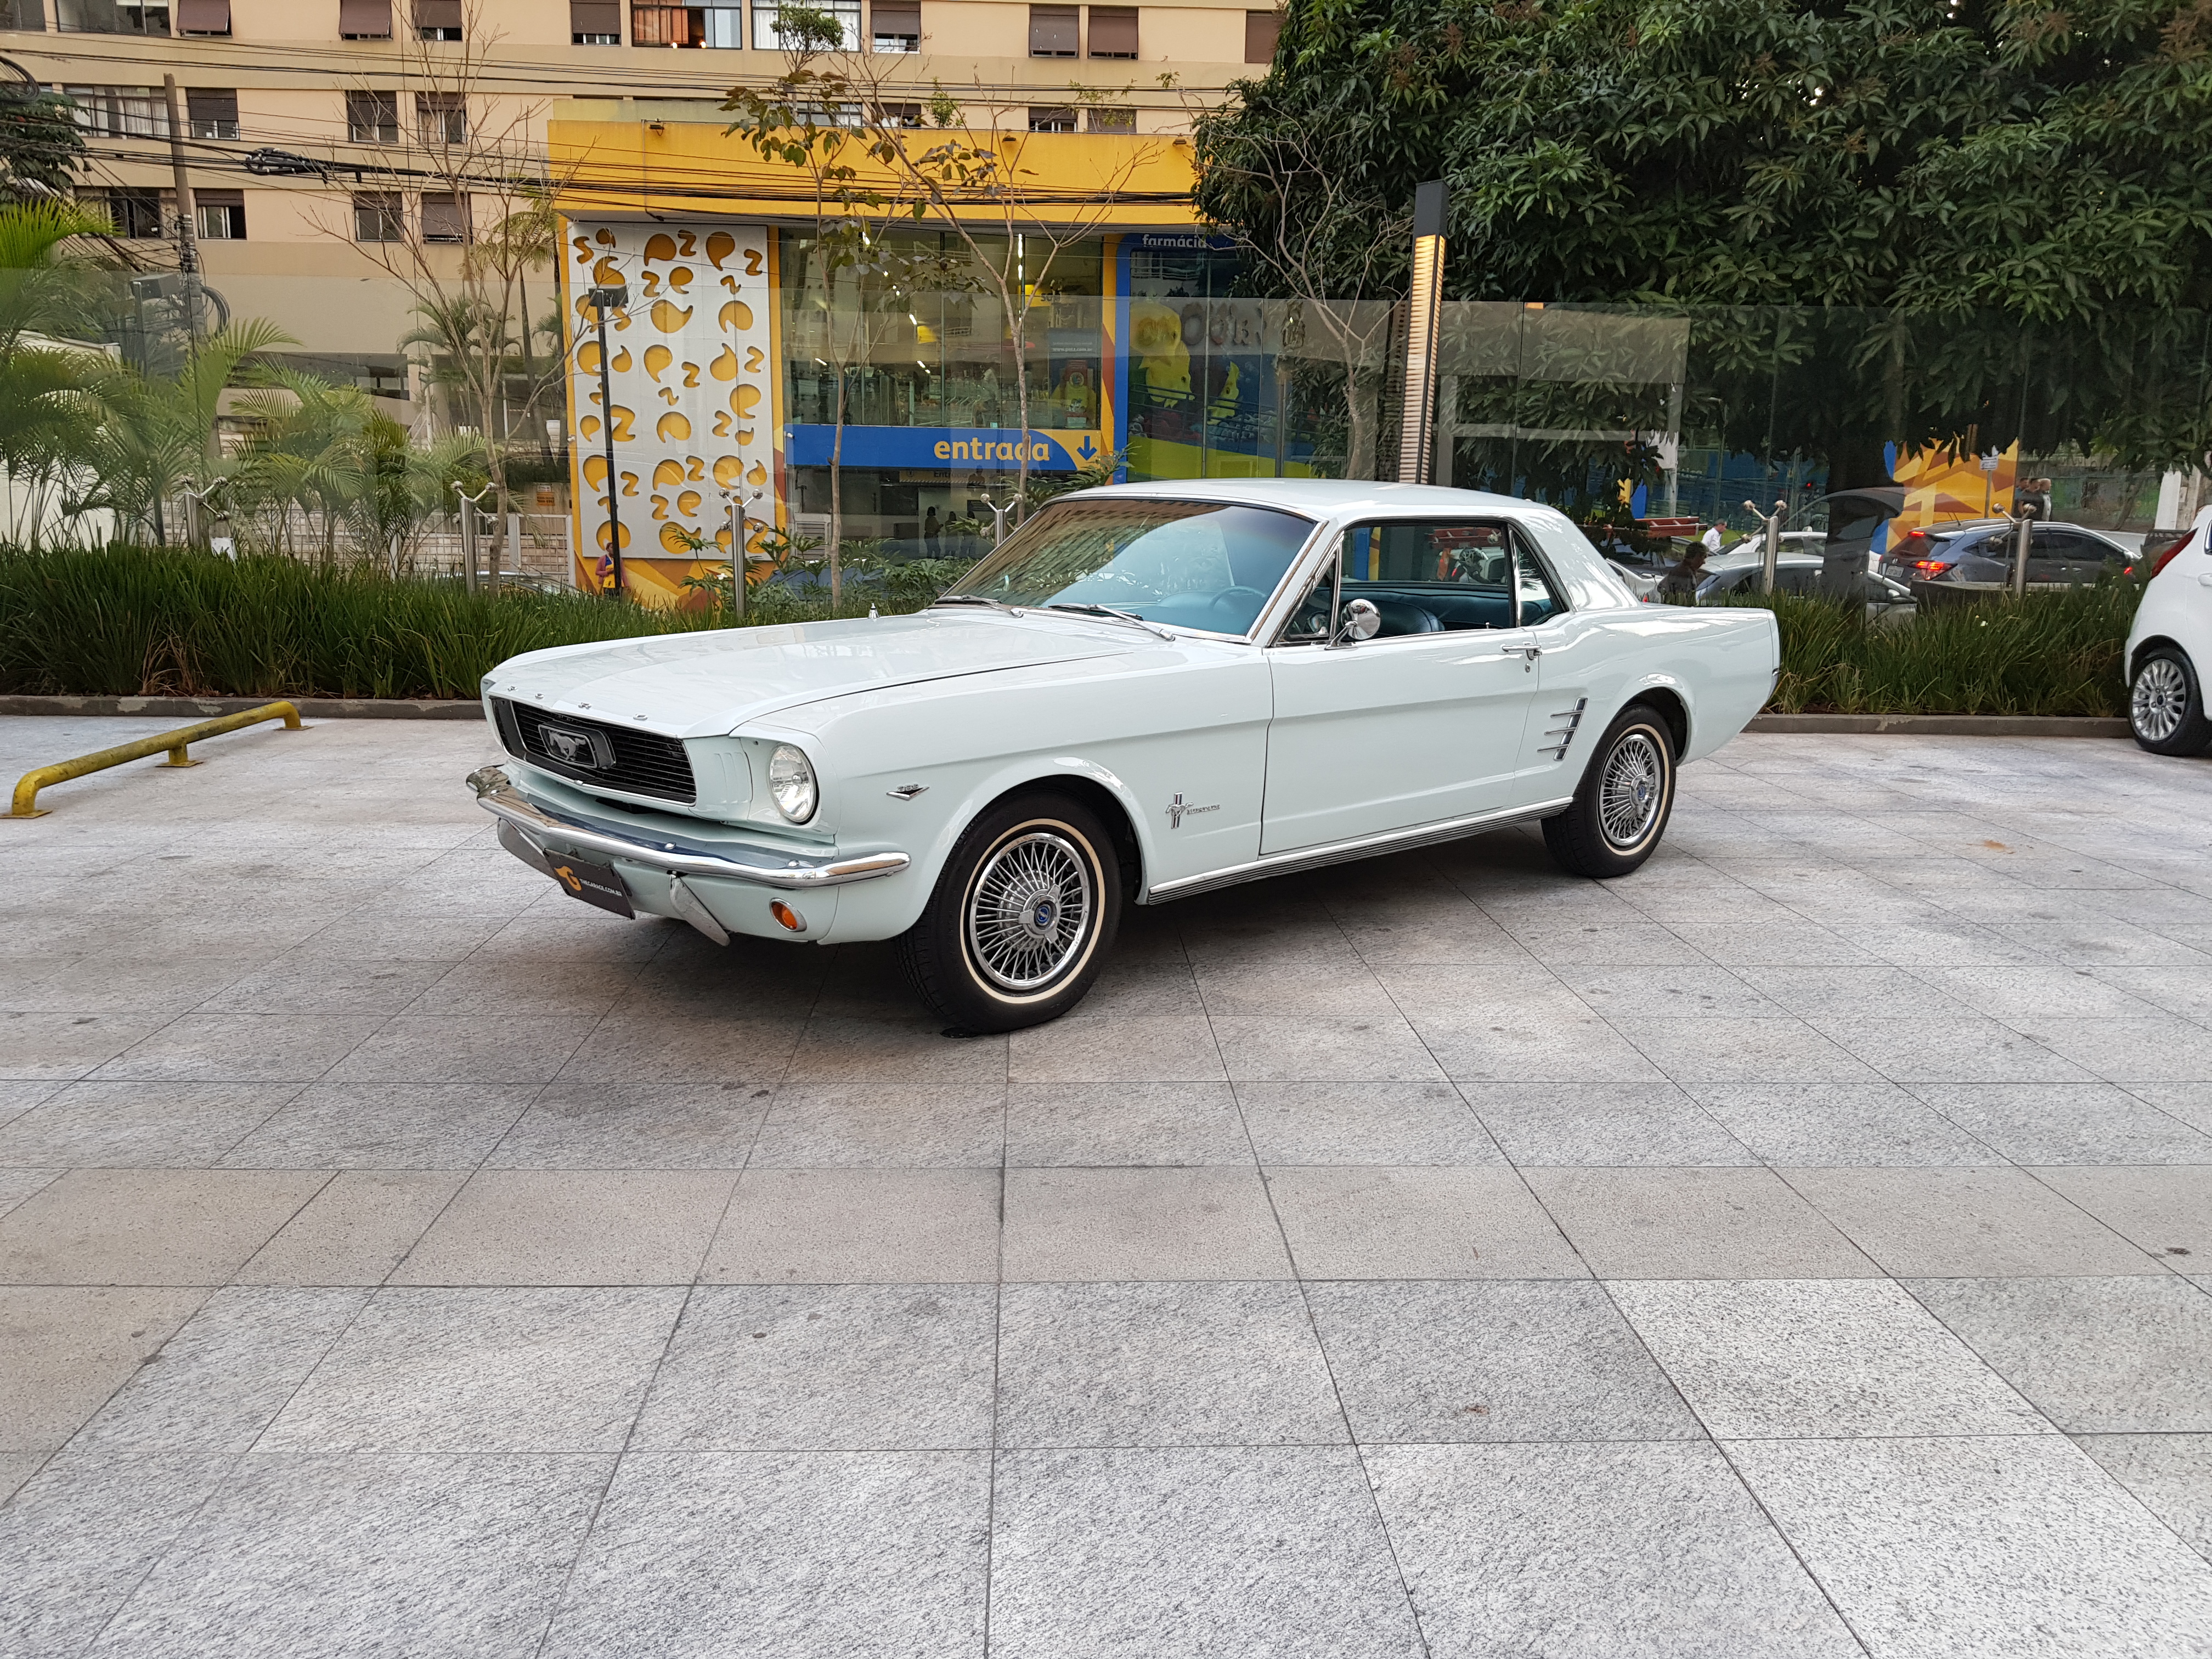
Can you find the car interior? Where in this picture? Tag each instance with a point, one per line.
(1439, 576)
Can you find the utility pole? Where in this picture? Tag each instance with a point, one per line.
(188, 218)
(604, 299)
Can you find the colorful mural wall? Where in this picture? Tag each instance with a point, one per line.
(692, 373)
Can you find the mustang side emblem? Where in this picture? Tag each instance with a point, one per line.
(589, 751)
(1177, 811)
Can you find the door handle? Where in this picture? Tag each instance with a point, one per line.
(2204, 581)
(1533, 652)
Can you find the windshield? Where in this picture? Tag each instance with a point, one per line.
(1194, 564)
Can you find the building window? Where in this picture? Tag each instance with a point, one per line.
(373, 118)
(378, 216)
(1051, 120)
(665, 26)
(443, 118)
(445, 216)
(210, 113)
(896, 25)
(222, 214)
(210, 17)
(438, 20)
(30, 16)
(1261, 30)
(136, 213)
(768, 37)
(365, 19)
(595, 23)
(1055, 31)
(1103, 118)
(121, 112)
(106, 17)
(1113, 31)
(900, 115)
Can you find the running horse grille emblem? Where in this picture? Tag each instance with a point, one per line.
(587, 752)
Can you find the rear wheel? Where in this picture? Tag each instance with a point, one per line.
(1620, 811)
(1023, 917)
(2165, 704)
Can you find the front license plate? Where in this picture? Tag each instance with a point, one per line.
(594, 884)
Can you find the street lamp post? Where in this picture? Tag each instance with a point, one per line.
(604, 299)
(1417, 437)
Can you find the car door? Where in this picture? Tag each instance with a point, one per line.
(1424, 721)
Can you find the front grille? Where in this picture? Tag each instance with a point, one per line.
(636, 762)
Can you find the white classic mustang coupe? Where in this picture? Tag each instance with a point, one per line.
(1149, 692)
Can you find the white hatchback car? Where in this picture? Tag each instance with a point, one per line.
(1150, 691)
(2170, 647)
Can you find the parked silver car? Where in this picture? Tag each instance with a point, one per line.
(1982, 550)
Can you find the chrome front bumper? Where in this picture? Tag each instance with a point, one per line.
(764, 866)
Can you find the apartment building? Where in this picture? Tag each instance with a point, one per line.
(305, 125)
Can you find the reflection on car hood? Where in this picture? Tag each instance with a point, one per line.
(705, 683)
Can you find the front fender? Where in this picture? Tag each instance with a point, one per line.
(889, 906)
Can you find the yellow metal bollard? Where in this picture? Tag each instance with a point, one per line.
(27, 787)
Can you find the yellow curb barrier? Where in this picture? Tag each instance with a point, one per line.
(27, 787)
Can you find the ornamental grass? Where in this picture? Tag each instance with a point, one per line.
(2048, 653)
(132, 621)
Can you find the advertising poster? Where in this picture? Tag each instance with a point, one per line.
(690, 375)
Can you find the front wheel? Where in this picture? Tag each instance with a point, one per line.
(2165, 704)
(1620, 811)
(1023, 917)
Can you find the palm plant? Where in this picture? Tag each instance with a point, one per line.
(348, 469)
(155, 434)
(46, 421)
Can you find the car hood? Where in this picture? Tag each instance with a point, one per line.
(707, 683)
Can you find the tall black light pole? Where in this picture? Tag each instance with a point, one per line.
(1417, 436)
(604, 299)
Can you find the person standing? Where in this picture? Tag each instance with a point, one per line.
(929, 533)
(1710, 541)
(2035, 500)
(1680, 584)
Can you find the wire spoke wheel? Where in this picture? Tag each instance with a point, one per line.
(2159, 701)
(1029, 910)
(1630, 792)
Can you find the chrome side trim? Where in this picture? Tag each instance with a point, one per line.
(763, 866)
(1342, 852)
(1565, 734)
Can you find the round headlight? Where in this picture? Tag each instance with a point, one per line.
(791, 783)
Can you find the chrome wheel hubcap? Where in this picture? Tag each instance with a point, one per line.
(1630, 789)
(1029, 910)
(2159, 700)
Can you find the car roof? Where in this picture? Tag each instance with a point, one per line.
(1320, 497)
(1959, 527)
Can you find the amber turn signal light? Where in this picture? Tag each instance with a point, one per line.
(789, 918)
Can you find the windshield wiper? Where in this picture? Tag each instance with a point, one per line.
(1119, 615)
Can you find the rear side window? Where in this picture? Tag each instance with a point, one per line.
(1433, 576)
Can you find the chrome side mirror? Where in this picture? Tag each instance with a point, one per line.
(1361, 620)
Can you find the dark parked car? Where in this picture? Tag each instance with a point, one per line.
(2059, 555)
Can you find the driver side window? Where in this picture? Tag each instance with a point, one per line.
(1429, 576)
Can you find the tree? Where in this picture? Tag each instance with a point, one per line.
(789, 122)
(1989, 187)
(967, 171)
(463, 215)
(41, 146)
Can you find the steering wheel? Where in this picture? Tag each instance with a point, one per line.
(1226, 594)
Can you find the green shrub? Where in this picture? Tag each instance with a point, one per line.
(127, 621)
(2050, 654)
